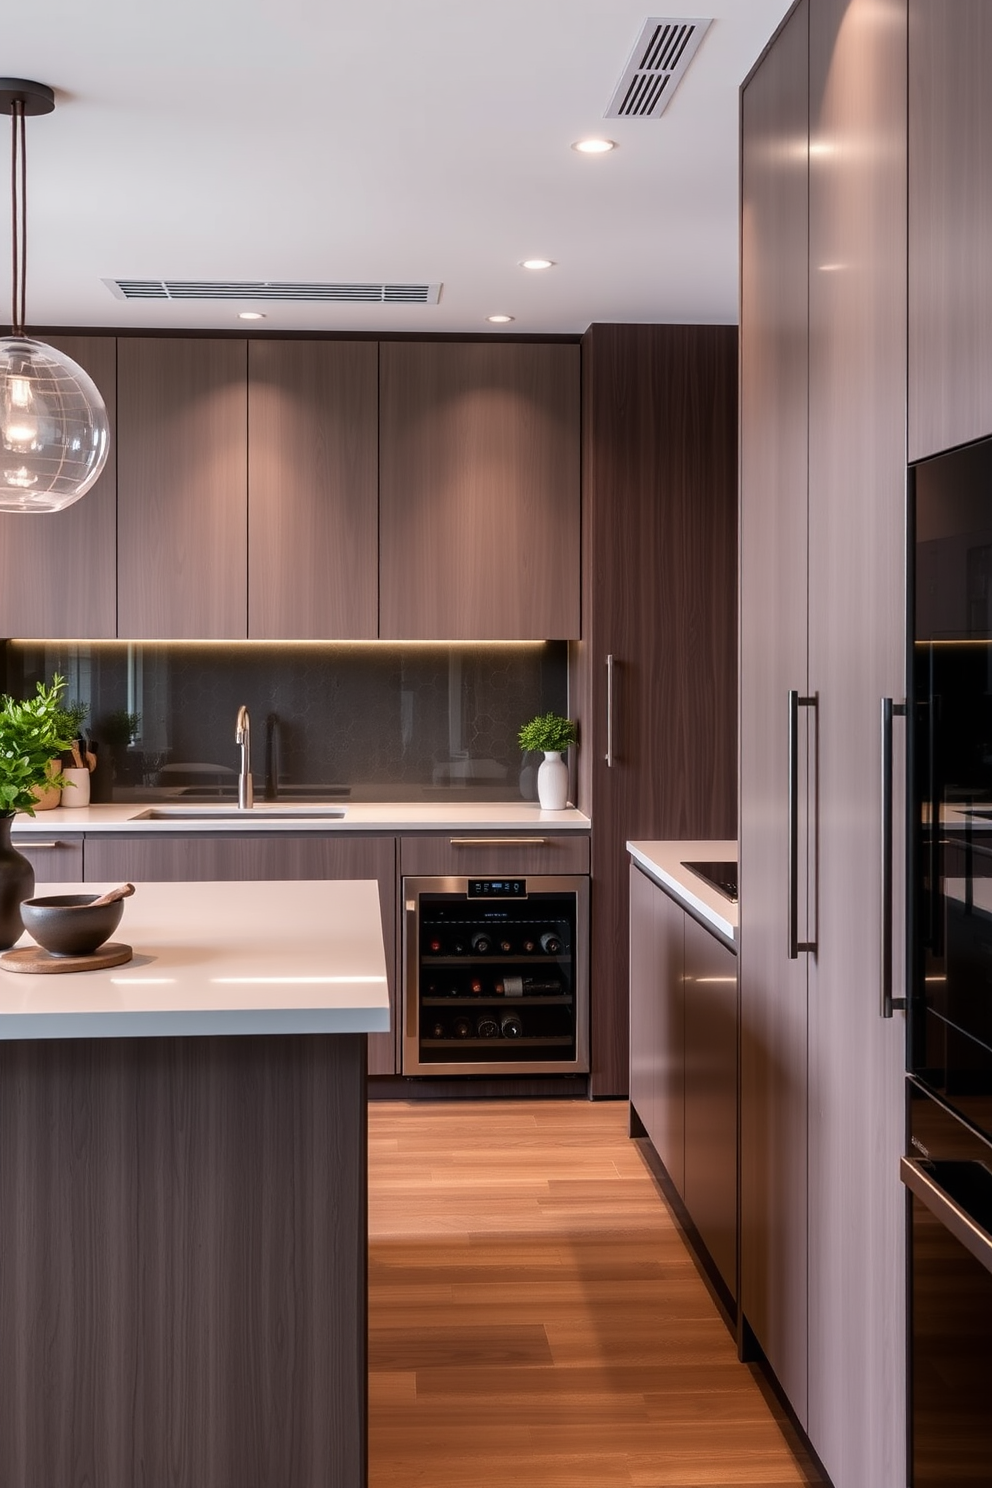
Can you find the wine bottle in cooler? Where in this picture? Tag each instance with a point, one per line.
(521, 986)
(510, 1026)
(462, 1028)
(486, 1026)
(482, 943)
(551, 943)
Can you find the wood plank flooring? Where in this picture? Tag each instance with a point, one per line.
(535, 1320)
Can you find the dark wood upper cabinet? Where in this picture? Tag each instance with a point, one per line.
(479, 491)
(950, 224)
(182, 488)
(58, 569)
(312, 483)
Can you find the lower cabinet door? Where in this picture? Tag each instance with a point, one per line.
(711, 1095)
(173, 858)
(54, 859)
(657, 1042)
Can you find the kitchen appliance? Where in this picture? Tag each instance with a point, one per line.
(496, 977)
(950, 773)
(949, 1177)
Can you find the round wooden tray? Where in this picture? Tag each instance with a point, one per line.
(40, 962)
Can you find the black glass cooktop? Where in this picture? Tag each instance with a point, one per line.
(721, 876)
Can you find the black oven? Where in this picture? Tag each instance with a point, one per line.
(948, 1173)
(950, 878)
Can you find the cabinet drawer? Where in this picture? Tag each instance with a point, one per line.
(54, 859)
(460, 853)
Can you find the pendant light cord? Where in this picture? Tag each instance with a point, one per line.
(18, 217)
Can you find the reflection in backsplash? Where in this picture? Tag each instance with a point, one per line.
(372, 721)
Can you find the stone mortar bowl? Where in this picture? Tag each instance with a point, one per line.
(71, 924)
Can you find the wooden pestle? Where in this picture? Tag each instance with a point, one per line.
(123, 891)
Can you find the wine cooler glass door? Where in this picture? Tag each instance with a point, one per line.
(496, 975)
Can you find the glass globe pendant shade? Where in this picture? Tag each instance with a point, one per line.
(54, 431)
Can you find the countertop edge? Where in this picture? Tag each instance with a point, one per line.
(359, 818)
(662, 862)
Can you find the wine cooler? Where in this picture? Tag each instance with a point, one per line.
(496, 975)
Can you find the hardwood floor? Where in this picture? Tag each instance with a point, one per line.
(535, 1317)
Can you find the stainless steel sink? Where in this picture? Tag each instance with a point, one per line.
(236, 813)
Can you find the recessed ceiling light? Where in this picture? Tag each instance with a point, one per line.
(594, 146)
(538, 263)
(251, 315)
(499, 319)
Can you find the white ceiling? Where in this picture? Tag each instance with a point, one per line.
(403, 140)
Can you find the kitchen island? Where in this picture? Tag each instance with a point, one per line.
(183, 1196)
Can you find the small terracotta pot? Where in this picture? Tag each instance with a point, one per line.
(47, 797)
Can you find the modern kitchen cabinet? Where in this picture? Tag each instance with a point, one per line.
(655, 677)
(657, 1021)
(55, 859)
(312, 490)
(58, 570)
(823, 335)
(182, 469)
(174, 858)
(950, 224)
(479, 491)
(683, 1061)
(494, 854)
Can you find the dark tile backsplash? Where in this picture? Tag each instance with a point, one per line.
(375, 721)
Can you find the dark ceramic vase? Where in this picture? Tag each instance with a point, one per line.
(16, 885)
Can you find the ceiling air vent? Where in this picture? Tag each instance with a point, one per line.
(274, 290)
(657, 65)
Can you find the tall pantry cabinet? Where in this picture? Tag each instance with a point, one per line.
(823, 337)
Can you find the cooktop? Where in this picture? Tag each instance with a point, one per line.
(721, 876)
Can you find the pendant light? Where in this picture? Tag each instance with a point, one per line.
(54, 432)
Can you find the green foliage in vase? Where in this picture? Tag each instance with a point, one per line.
(32, 734)
(549, 733)
(70, 718)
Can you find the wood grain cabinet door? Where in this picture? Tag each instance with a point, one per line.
(313, 490)
(950, 224)
(657, 1020)
(774, 628)
(479, 491)
(182, 489)
(58, 570)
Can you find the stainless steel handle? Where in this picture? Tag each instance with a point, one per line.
(795, 944)
(890, 710)
(498, 841)
(955, 1219)
(20, 842)
(609, 713)
(411, 978)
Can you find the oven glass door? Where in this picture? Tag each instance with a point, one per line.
(951, 779)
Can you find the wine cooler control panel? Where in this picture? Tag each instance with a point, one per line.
(496, 975)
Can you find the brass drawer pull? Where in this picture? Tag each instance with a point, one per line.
(498, 841)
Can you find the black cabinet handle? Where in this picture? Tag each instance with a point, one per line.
(890, 710)
(795, 944)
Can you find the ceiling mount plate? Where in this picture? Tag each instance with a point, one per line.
(37, 98)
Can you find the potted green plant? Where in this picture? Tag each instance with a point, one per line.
(32, 735)
(550, 734)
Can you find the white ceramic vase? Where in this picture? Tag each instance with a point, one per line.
(552, 782)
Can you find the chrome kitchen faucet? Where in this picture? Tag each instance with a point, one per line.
(242, 736)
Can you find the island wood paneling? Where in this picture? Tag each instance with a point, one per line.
(312, 490)
(274, 855)
(58, 569)
(774, 629)
(182, 518)
(660, 596)
(950, 224)
(55, 859)
(183, 1288)
(479, 491)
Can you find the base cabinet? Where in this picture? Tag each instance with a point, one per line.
(683, 1061)
(54, 859)
(170, 859)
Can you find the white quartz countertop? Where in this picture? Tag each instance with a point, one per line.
(393, 816)
(219, 958)
(664, 862)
